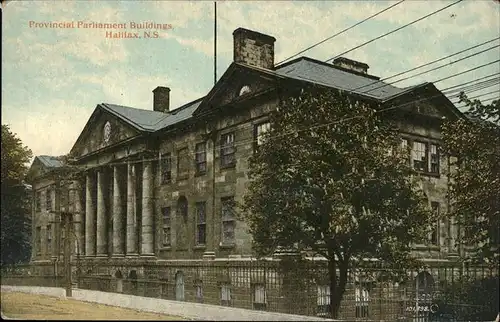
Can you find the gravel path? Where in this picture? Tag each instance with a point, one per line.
(194, 311)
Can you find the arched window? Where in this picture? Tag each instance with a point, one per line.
(424, 285)
(133, 278)
(244, 90)
(119, 282)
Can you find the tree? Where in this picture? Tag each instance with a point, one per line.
(15, 207)
(474, 144)
(331, 178)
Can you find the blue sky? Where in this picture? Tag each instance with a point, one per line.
(52, 79)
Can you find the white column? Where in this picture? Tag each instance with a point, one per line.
(89, 215)
(147, 248)
(118, 213)
(131, 220)
(102, 248)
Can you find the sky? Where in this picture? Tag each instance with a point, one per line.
(53, 78)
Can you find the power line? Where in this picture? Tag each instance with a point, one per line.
(250, 141)
(432, 69)
(395, 30)
(339, 33)
(466, 71)
(427, 64)
(424, 17)
(484, 94)
(473, 81)
(475, 87)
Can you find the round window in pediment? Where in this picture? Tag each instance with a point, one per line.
(107, 132)
(244, 90)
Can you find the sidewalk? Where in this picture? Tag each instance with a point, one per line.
(193, 311)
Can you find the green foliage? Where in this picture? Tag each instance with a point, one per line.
(470, 299)
(331, 177)
(15, 200)
(475, 187)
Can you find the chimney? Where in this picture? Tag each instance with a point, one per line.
(161, 99)
(253, 48)
(351, 65)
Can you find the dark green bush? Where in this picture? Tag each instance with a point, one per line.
(469, 300)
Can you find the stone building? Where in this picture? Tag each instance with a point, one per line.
(150, 186)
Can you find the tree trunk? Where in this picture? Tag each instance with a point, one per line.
(332, 273)
(336, 290)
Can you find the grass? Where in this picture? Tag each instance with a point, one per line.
(16, 305)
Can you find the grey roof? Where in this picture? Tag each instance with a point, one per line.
(150, 121)
(50, 161)
(313, 71)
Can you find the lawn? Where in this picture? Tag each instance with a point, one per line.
(42, 307)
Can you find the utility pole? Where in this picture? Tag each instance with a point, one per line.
(63, 220)
(67, 220)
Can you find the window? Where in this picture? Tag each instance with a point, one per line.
(201, 223)
(166, 226)
(166, 168)
(227, 150)
(49, 239)
(48, 199)
(323, 300)
(183, 163)
(424, 156)
(225, 294)
(434, 235)
(418, 156)
(362, 301)
(38, 238)
(494, 236)
(228, 220)
(260, 130)
(434, 158)
(201, 158)
(259, 297)
(38, 201)
(404, 144)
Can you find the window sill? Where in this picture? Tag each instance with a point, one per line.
(166, 248)
(199, 174)
(200, 247)
(426, 247)
(227, 245)
(228, 166)
(428, 174)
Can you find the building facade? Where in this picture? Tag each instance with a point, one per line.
(159, 185)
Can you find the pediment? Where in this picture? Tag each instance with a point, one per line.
(102, 130)
(429, 102)
(36, 170)
(237, 84)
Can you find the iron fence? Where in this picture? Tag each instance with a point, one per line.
(447, 292)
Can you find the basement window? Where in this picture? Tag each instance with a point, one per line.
(259, 297)
(323, 302)
(362, 301)
(225, 294)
